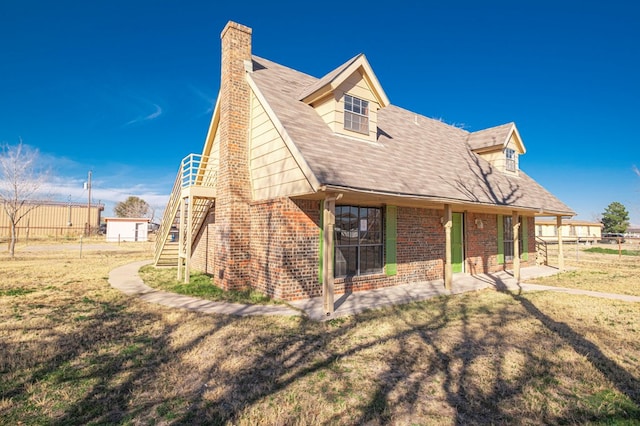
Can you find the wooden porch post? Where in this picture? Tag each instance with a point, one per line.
(180, 237)
(329, 220)
(560, 251)
(516, 245)
(448, 223)
(187, 254)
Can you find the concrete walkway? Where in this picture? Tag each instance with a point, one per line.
(127, 280)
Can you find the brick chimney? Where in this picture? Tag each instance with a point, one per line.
(233, 192)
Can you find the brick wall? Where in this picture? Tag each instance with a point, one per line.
(204, 251)
(285, 237)
(285, 240)
(419, 253)
(481, 245)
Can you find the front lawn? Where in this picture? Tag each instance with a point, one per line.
(75, 351)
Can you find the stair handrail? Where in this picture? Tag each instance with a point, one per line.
(168, 217)
(540, 242)
(193, 171)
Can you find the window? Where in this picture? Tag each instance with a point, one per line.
(356, 114)
(508, 238)
(358, 241)
(510, 156)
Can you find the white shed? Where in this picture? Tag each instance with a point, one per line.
(127, 228)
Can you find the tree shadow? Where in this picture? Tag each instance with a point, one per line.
(473, 405)
(486, 186)
(275, 355)
(623, 381)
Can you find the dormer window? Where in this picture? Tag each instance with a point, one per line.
(356, 114)
(510, 159)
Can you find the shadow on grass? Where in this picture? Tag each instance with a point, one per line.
(271, 357)
(624, 382)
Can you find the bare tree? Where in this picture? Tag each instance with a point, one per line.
(21, 178)
(132, 207)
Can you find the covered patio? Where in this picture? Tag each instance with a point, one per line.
(353, 303)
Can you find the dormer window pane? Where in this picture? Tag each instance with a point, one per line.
(510, 156)
(356, 114)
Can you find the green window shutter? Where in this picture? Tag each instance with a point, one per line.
(321, 240)
(525, 239)
(391, 222)
(500, 240)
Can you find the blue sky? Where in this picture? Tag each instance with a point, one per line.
(126, 88)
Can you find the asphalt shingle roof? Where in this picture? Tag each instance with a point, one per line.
(490, 137)
(413, 156)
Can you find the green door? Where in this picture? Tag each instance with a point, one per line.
(456, 243)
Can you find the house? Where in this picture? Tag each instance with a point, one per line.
(318, 186)
(54, 219)
(571, 231)
(127, 228)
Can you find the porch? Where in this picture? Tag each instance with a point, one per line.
(352, 303)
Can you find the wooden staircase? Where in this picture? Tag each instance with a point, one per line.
(192, 195)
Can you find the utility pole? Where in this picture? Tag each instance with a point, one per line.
(89, 205)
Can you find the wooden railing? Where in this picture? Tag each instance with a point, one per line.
(193, 171)
(542, 252)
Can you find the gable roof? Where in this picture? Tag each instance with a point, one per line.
(327, 84)
(414, 156)
(493, 137)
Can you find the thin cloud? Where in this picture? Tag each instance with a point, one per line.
(210, 101)
(157, 113)
(74, 190)
(117, 187)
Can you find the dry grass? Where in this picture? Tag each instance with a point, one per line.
(75, 351)
(611, 273)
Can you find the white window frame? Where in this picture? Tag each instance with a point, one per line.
(510, 159)
(356, 114)
(507, 238)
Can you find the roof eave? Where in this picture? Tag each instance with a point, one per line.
(428, 199)
(213, 128)
(338, 79)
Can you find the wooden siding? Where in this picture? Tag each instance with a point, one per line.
(274, 170)
(331, 108)
(328, 111)
(498, 159)
(357, 86)
(214, 158)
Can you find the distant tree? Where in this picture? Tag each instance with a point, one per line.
(132, 207)
(21, 179)
(615, 218)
